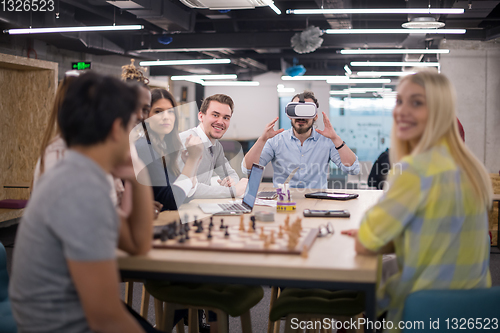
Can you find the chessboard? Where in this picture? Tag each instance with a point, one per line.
(279, 239)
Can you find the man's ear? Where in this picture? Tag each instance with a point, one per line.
(200, 116)
(315, 117)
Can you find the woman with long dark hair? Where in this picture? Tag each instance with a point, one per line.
(160, 149)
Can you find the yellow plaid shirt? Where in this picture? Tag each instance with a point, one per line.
(439, 230)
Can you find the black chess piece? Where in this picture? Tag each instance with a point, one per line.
(182, 239)
(209, 236)
(187, 227)
(199, 228)
(164, 234)
(186, 231)
(221, 224)
(227, 232)
(211, 222)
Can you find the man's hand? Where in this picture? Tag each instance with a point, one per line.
(125, 170)
(241, 186)
(328, 132)
(269, 131)
(157, 208)
(228, 182)
(350, 232)
(194, 147)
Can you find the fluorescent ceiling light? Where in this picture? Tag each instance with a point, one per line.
(203, 77)
(377, 11)
(395, 31)
(276, 9)
(309, 78)
(203, 49)
(395, 51)
(333, 79)
(282, 89)
(347, 70)
(232, 83)
(185, 62)
(379, 74)
(72, 29)
(394, 64)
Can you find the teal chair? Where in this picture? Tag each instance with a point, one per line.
(7, 323)
(433, 305)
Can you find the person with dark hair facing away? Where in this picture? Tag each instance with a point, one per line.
(215, 117)
(64, 274)
(304, 147)
(160, 149)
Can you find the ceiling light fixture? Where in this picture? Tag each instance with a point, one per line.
(72, 29)
(433, 11)
(347, 70)
(185, 62)
(333, 79)
(232, 83)
(380, 74)
(282, 89)
(359, 91)
(273, 7)
(395, 31)
(352, 81)
(423, 23)
(203, 77)
(394, 64)
(395, 51)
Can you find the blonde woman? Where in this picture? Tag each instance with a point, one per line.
(434, 213)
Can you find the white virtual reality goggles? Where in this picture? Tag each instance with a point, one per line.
(301, 109)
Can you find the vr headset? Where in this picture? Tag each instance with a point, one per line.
(301, 109)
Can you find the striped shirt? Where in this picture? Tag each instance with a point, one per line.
(439, 229)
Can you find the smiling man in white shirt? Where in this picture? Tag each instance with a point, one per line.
(215, 117)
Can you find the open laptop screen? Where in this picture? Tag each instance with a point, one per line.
(253, 184)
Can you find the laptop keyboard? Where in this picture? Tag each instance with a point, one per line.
(233, 207)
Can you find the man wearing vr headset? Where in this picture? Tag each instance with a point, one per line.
(302, 146)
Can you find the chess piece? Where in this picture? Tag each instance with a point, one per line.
(211, 222)
(266, 242)
(280, 233)
(305, 252)
(272, 240)
(221, 223)
(186, 231)
(209, 236)
(200, 228)
(242, 224)
(262, 235)
(250, 229)
(253, 224)
(287, 223)
(227, 232)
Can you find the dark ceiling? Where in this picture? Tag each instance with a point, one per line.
(257, 40)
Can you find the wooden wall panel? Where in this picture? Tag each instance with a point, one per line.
(27, 89)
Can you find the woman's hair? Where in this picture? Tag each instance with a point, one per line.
(171, 144)
(442, 124)
(53, 128)
(132, 73)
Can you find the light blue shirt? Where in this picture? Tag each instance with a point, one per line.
(286, 153)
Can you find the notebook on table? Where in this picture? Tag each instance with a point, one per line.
(248, 201)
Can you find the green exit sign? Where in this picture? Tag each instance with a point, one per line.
(81, 65)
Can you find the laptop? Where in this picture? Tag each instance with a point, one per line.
(248, 201)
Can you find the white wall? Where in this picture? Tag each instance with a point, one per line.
(257, 106)
(474, 69)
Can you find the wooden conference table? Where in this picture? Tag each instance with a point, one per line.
(331, 263)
